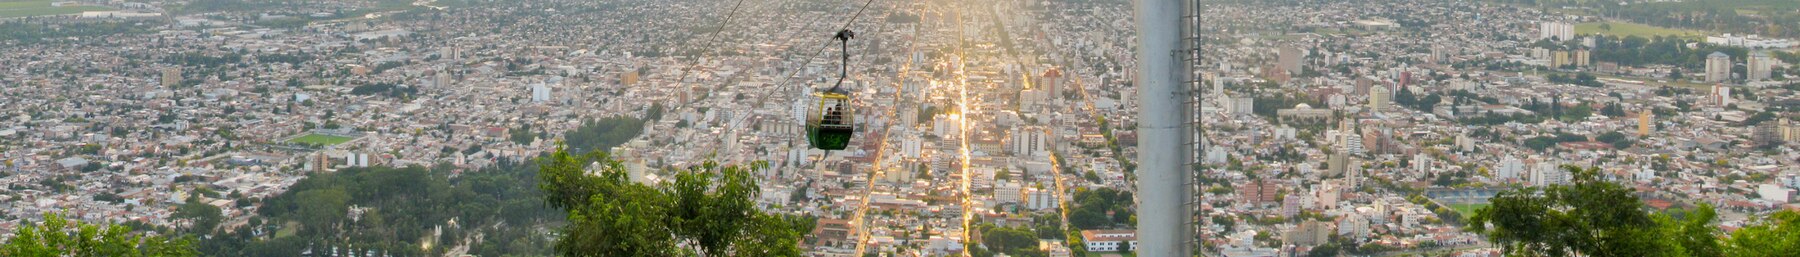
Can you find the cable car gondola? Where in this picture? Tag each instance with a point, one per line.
(830, 124)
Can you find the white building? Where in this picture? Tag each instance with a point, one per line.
(540, 93)
(1556, 31)
(1008, 192)
(1037, 199)
(1759, 66)
(1109, 240)
(1720, 95)
(1546, 173)
(1509, 168)
(1030, 142)
(1718, 67)
(1749, 41)
(1775, 193)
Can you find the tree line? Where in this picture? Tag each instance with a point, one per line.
(1595, 217)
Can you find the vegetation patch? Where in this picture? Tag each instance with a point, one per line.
(320, 139)
(1625, 29)
(11, 8)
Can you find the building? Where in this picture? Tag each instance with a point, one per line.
(1775, 193)
(1309, 233)
(1720, 95)
(1509, 168)
(1030, 142)
(1379, 98)
(1759, 66)
(1582, 58)
(1303, 113)
(1749, 41)
(1546, 173)
(1718, 67)
(1109, 240)
(1354, 227)
(1008, 192)
(1767, 132)
(1644, 119)
(1556, 31)
(1421, 163)
(1558, 59)
(1052, 83)
(1337, 163)
(540, 93)
(628, 78)
(1036, 199)
(171, 76)
(1289, 61)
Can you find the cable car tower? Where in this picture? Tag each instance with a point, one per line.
(1167, 116)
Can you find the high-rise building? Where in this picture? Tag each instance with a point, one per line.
(441, 79)
(1759, 66)
(1767, 133)
(1558, 59)
(1718, 67)
(1720, 95)
(1545, 173)
(1581, 57)
(1290, 59)
(1052, 82)
(1509, 168)
(1351, 142)
(1421, 163)
(171, 76)
(1337, 163)
(628, 78)
(1029, 141)
(1556, 31)
(540, 93)
(1378, 98)
(1644, 119)
(911, 147)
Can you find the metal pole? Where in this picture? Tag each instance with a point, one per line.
(1162, 157)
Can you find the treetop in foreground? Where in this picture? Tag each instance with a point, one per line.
(705, 210)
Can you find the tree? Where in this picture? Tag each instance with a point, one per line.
(1588, 217)
(1593, 217)
(1009, 240)
(706, 210)
(57, 236)
(1775, 235)
(320, 211)
(204, 216)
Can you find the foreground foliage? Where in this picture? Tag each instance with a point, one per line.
(705, 210)
(57, 236)
(1594, 217)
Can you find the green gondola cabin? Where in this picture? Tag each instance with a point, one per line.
(830, 125)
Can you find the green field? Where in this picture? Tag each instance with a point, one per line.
(1467, 209)
(25, 8)
(1623, 29)
(320, 139)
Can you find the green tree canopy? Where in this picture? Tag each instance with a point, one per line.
(1776, 235)
(57, 236)
(1593, 217)
(705, 210)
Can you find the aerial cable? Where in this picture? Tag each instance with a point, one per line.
(853, 17)
(710, 41)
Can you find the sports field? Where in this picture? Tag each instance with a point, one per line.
(25, 8)
(320, 139)
(1623, 29)
(1467, 209)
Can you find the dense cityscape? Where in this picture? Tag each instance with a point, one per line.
(982, 128)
